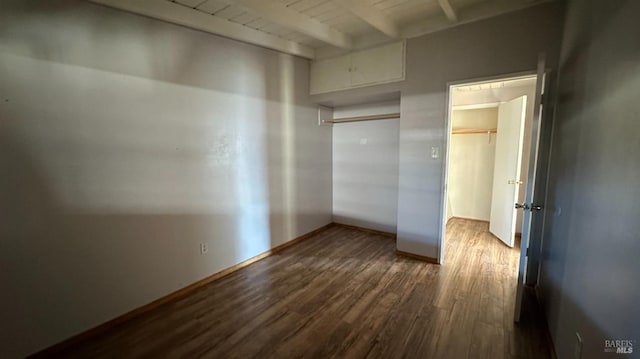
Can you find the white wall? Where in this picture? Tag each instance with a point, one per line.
(449, 210)
(126, 142)
(365, 168)
(589, 276)
(471, 162)
(502, 45)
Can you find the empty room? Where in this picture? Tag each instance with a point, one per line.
(319, 178)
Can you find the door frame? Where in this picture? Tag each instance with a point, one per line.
(447, 143)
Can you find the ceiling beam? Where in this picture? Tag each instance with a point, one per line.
(448, 10)
(283, 15)
(480, 11)
(181, 15)
(364, 10)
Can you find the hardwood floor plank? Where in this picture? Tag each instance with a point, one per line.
(344, 293)
(487, 341)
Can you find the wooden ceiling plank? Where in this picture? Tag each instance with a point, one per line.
(230, 12)
(479, 11)
(182, 15)
(320, 9)
(212, 6)
(294, 20)
(371, 15)
(303, 5)
(190, 3)
(245, 18)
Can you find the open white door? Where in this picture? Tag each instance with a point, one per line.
(530, 206)
(506, 172)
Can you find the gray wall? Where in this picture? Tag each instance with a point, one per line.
(497, 46)
(126, 142)
(590, 274)
(365, 168)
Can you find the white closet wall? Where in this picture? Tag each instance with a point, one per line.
(471, 161)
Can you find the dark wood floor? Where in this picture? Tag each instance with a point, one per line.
(344, 293)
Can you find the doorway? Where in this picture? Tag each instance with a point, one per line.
(489, 143)
(518, 138)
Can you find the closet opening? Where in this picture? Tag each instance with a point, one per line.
(487, 164)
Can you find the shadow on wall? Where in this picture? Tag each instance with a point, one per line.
(298, 153)
(355, 221)
(532, 327)
(412, 240)
(591, 235)
(564, 333)
(101, 38)
(65, 269)
(365, 167)
(125, 143)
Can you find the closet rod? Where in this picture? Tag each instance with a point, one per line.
(466, 131)
(385, 116)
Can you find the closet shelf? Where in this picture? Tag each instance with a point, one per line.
(385, 116)
(466, 131)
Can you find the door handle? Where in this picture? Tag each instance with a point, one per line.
(526, 207)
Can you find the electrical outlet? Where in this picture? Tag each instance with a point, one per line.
(204, 248)
(577, 351)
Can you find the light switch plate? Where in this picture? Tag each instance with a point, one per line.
(435, 152)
